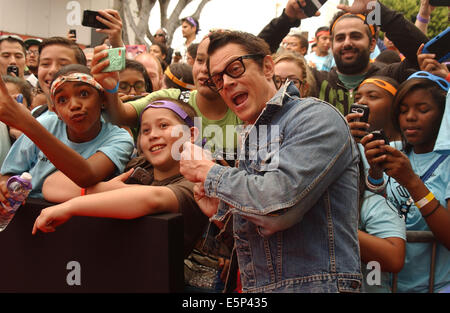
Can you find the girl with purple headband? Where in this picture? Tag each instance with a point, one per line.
(165, 125)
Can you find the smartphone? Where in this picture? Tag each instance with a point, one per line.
(74, 32)
(440, 3)
(139, 176)
(12, 69)
(360, 108)
(116, 57)
(89, 20)
(380, 135)
(439, 45)
(312, 6)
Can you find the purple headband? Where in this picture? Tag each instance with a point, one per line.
(171, 106)
(192, 21)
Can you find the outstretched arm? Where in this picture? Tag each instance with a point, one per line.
(280, 26)
(83, 172)
(125, 203)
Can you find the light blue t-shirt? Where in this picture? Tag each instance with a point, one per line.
(415, 274)
(322, 63)
(379, 219)
(24, 156)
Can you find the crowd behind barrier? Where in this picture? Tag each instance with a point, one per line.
(341, 142)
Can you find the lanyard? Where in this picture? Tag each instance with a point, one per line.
(404, 208)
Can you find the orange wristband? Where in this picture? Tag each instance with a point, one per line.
(83, 191)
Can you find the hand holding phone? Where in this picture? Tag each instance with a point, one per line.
(139, 176)
(312, 6)
(362, 109)
(439, 45)
(380, 135)
(116, 57)
(12, 69)
(90, 20)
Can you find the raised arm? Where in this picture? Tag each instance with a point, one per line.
(280, 26)
(83, 172)
(120, 113)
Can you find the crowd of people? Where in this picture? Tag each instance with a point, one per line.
(282, 185)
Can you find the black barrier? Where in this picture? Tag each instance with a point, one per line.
(92, 254)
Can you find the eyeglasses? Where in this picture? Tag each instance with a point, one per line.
(234, 69)
(33, 52)
(14, 37)
(438, 80)
(280, 81)
(138, 86)
(159, 35)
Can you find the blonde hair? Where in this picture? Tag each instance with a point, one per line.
(299, 60)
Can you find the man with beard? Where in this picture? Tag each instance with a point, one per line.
(352, 41)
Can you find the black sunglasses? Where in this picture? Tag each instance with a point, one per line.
(234, 69)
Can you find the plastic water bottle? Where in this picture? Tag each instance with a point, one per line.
(18, 187)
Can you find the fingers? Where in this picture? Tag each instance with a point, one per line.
(100, 53)
(124, 176)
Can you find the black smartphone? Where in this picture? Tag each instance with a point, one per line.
(312, 6)
(12, 69)
(440, 3)
(360, 108)
(439, 45)
(380, 135)
(139, 177)
(73, 32)
(90, 20)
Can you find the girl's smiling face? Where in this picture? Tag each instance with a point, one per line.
(419, 120)
(157, 139)
(79, 106)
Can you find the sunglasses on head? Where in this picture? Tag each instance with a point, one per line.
(438, 80)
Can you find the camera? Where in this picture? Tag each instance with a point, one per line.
(12, 69)
(73, 32)
(380, 135)
(360, 108)
(311, 6)
(90, 20)
(116, 57)
(139, 177)
(439, 46)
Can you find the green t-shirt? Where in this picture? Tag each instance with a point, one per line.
(218, 133)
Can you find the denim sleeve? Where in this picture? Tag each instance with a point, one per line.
(316, 149)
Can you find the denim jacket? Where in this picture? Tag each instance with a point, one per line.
(293, 199)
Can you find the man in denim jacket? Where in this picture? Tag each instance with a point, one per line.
(293, 197)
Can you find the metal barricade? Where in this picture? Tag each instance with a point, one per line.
(422, 237)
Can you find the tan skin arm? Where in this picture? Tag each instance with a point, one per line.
(111, 204)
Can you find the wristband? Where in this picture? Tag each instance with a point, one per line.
(422, 19)
(432, 211)
(448, 77)
(374, 181)
(424, 201)
(83, 191)
(375, 189)
(112, 90)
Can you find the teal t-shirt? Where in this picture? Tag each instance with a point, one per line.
(415, 274)
(24, 156)
(378, 218)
